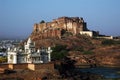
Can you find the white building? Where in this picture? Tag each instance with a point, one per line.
(29, 55)
(105, 37)
(88, 33)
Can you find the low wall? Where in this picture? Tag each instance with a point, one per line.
(10, 66)
(20, 66)
(106, 37)
(49, 66)
(31, 66)
(5, 66)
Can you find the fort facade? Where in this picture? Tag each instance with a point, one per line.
(53, 29)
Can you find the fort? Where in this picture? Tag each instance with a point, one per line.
(55, 28)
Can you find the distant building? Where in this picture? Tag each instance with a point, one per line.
(29, 54)
(105, 37)
(2, 54)
(88, 33)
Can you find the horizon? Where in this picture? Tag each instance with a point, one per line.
(17, 18)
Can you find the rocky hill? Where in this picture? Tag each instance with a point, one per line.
(63, 36)
(86, 50)
(81, 48)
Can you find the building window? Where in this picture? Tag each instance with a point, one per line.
(11, 57)
(23, 59)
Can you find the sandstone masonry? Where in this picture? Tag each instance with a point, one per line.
(53, 29)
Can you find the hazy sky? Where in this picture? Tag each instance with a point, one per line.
(17, 17)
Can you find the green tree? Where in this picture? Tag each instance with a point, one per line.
(42, 21)
(3, 50)
(110, 42)
(63, 31)
(3, 59)
(59, 52)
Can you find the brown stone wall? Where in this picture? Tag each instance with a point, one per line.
(35, 27)
(49, 66)
(5, 66)
(20, 66)
(48, 30)
(10, 66)
(60, 23)
(31, 66)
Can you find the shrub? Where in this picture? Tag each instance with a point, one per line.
(110, 42)
(80, 48)
(88, 52)
(42, 21)
(3, 50)
(59, 52)
(66, 34)
(3, 59)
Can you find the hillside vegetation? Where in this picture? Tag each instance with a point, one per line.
(83, 49)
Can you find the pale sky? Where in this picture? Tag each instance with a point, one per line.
(17, 17)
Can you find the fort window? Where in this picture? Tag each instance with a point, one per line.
(36, 30)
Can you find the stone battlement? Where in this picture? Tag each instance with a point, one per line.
(54, 28)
